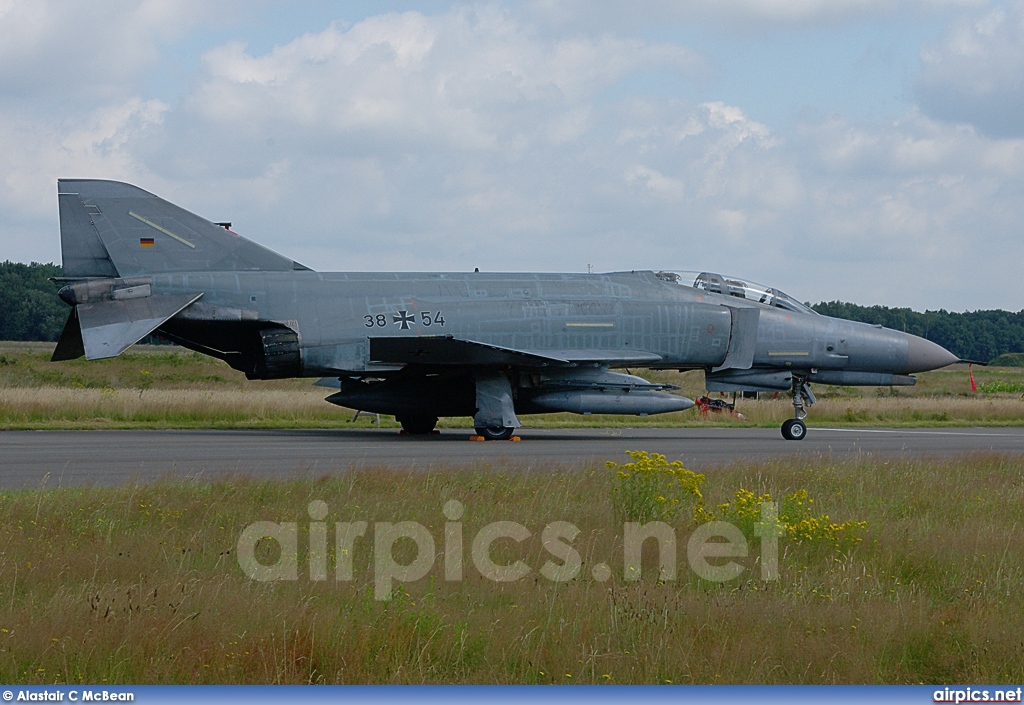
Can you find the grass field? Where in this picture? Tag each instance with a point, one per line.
(163, 387)
(140, 584)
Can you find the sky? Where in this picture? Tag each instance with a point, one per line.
(869, 151)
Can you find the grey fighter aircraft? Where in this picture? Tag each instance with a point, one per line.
(421, 346)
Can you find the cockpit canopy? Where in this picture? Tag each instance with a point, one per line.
(742, 289)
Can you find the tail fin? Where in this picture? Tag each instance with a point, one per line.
(114, 229)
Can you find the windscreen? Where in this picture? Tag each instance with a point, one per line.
(740, 288)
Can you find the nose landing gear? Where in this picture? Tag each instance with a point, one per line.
(795, 429)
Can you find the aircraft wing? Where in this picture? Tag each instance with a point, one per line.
(449, 350)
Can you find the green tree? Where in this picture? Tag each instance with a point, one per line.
(974, 335)
(29, 306)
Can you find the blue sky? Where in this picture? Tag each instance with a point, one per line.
(863, 150)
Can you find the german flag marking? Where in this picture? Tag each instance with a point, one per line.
(146, 242)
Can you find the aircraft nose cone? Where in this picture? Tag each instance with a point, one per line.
(924, 355)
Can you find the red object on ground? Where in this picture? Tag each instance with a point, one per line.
(970, 370)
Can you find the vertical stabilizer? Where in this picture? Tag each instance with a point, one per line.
(110, 229)
(82, 251)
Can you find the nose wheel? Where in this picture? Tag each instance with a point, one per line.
(794, 430)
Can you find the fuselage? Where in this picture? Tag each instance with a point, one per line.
(680, 327)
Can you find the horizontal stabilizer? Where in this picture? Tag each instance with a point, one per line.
(108, 328)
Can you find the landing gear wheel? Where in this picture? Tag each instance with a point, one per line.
(418, 425)
(495, 433)
(794, 430)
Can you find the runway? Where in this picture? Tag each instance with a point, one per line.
(77, 458)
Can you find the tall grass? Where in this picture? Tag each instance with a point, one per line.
(888, 411)
(140, 584)
(51, 407)
(155, 387)
(61, 407)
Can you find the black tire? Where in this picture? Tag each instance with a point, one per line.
(794, 430)
(495, 433)
(418, 425)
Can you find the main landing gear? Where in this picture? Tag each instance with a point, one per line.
(495, 433)
(795, 429)
(495, 418)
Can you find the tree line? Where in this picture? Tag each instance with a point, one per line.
(974, 335)
(29, 307)
(30, 310)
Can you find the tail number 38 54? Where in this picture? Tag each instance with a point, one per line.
(404, 319)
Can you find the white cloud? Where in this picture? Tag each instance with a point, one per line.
(473, 138)
(655, 182)
(474, 123)
(917, 212)
(976, 74)
(103, 141)
(470, 79)
(730, 15)
(61, 51)
(70, 103)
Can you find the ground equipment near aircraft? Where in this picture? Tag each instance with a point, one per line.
(425, 345)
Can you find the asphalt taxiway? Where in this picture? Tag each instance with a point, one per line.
(76, 458)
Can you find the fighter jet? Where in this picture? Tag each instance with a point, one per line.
(425, 345)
